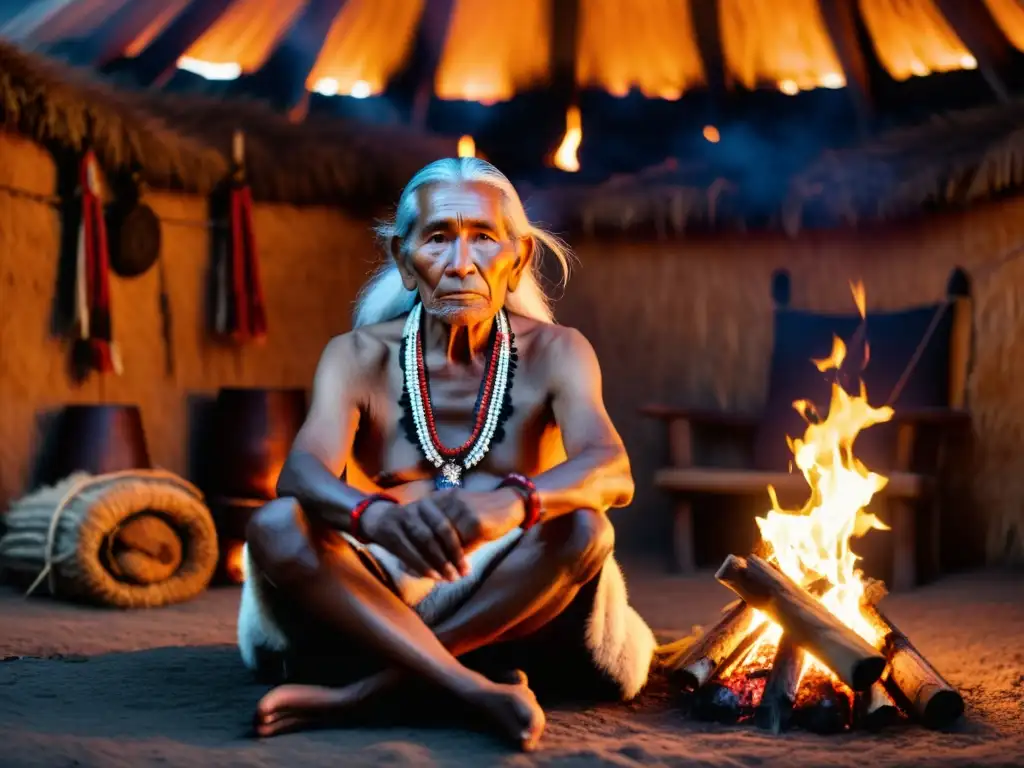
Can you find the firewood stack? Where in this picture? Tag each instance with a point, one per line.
(870, 687)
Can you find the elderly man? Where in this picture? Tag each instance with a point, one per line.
(477, 462)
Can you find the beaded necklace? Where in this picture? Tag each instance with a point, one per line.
(493, 406)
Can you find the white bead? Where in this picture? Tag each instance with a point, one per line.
(499, 386)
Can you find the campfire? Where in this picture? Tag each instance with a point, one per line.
(806, 645)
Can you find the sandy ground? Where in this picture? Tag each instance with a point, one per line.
(83, 687)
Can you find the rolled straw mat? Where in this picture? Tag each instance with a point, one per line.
(134, 539)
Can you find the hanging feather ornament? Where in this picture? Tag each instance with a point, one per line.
(93, 322)
(239, 311)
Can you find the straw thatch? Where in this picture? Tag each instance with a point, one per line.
(948, 161)
(67, 109)
(185, 142)
(320, 160)
(666, 198)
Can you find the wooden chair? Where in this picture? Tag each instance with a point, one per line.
(920, 356)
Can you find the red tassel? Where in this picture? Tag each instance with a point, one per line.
(247, 310)
(257, 310)
(95, 319)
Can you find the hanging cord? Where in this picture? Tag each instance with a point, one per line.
(55, 201)
(922, 345)
(982, 272)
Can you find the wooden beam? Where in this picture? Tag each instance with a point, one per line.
(108, 41)
(156, 64)
(564, 47)
(707, 26)
(978, 31)
(282, 78)
(840, 17)
(753, 482)
(421, 68)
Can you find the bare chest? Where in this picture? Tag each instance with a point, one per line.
(387, 454)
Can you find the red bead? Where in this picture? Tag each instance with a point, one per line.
(485, 399)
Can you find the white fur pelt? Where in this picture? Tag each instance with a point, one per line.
(621, 643)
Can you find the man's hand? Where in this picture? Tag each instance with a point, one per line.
(480, 517)
(420, 534)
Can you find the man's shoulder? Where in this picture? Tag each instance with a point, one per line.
(368, 347)
(553, 342)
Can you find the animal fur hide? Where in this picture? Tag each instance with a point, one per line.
(620, 642)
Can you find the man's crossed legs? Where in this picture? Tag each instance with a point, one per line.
(326, 579)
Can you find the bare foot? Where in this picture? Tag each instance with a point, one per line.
(289, 708)
(516, 712)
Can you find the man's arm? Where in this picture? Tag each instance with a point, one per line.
(324, 444)
(596, 473)
(419, 534)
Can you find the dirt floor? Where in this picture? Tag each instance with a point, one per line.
(84, 687)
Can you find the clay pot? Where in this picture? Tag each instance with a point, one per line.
(94, 438)
(252, 431)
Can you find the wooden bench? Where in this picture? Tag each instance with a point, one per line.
(910, 488)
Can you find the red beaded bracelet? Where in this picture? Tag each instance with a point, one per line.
(531, 499)
(356, 515)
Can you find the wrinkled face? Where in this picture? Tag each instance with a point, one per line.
(460, 257)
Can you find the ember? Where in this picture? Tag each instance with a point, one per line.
(806, 646)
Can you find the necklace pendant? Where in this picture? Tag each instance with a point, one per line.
(450, 476)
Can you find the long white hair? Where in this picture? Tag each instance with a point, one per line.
(385, 297)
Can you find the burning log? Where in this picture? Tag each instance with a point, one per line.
(914, 681)
(717, 703)
(727, 640)
(775, 711)
(806, 620)
(823, 705)
(875, 709)
(707, 655)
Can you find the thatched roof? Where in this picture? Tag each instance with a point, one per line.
(320, 160)
(185, 142)
(949, 161)
(67, 109)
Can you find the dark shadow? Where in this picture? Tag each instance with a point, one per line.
(220, 242)
(199, 695)
(95, 438)
(199, 409)
(62, 310)
(43, 446)
(781, 287)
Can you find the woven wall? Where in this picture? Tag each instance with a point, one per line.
(313, 261)
(690, 323)
(687, 322)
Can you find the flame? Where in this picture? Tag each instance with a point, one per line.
(814, 542)
(234, 562)
(565, 156)
(467, 147)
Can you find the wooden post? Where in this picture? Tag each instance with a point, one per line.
(902, 514)
(680, 439)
